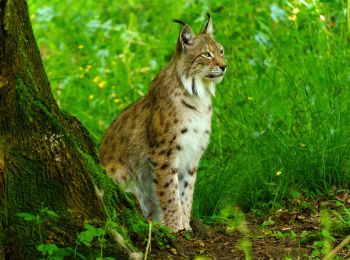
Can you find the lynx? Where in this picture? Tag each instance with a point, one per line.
(153, 148)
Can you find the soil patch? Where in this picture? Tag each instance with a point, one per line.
(298, 232)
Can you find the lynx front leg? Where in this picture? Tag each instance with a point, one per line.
(167, 188)
(186, 196)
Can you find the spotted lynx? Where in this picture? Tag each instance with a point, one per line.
(153, 148)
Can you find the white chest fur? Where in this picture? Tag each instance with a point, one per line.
(195, 132)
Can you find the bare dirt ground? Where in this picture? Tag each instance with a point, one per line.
(294, 233)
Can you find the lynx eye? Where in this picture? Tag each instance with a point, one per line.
(222, 52)
(206, 54)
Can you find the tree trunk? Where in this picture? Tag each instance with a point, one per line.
(47, 159)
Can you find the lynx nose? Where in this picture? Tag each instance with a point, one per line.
(223, 67)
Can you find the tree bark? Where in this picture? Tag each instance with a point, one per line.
(47, 158)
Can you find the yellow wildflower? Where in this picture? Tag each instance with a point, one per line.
(91, 97)
(88, 68)
(292, 17)
(145, 69)
(81, 68)
(96, 79)
(102, 84)
(80, 46)
(117, 100)
(278, 173)
(295, 10)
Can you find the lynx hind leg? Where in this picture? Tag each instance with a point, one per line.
(117, 172)
(143, 188)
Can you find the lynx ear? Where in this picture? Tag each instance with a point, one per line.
(186, 35)
(208, 29)
(185, 38)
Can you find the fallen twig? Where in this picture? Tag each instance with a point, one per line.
(337, 248)
(148, 247)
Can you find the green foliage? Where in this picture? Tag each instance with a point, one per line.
(234, 221)
(43, 215)
(29, 217)
(281, 235)
(53, 252)
(187, 235)
(326, 232)
(84, 238)
(267, 223)
(343, 218)
(246, 246)
(281, 114)
(90, 233)
(48, 250)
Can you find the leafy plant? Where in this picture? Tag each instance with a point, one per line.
(91, 233)
(38, 219)
(53, 252)
(324, 246)
(85, 238)
(246, 246)
(48, 250)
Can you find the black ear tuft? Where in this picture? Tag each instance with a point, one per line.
(179, 21)
(208, 29)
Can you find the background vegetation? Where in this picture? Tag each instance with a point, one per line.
(281, 114)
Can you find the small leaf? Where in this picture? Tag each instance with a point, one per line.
(43, 210)
(42, 248)
(89, 227)
(88, 235)
(47, 248)
(52, 213)
(111, 224)
(60, 253)
(267, 223)
(26, 216)
(101, 232)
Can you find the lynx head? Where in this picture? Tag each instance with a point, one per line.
(200, 60)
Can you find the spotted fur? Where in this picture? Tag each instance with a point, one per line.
(154, 147)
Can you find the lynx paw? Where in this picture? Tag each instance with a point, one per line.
(176, 227)
(187, 227)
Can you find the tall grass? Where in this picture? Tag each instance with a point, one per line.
(281, 115)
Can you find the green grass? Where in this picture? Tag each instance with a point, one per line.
(281, 115)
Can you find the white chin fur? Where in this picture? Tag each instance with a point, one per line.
(217, 80)
(200, 86)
